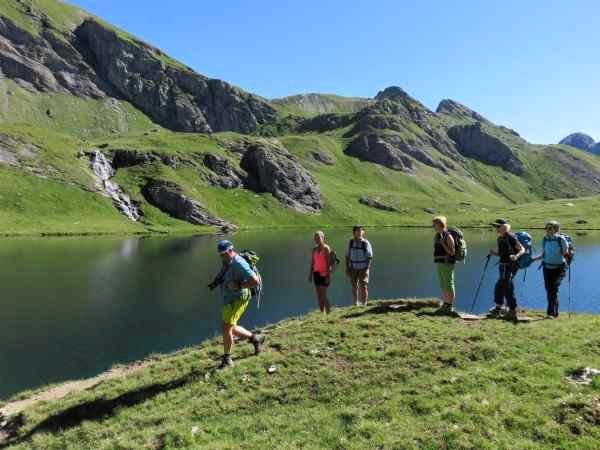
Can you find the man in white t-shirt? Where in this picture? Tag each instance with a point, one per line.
(359, 258)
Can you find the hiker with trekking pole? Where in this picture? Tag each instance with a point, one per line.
(359, 259)
(322, 263)
(556, 256)
(237, 280)
(509, 251)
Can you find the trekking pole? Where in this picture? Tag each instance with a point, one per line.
(524, 289)
(480, 282)
(570, 291)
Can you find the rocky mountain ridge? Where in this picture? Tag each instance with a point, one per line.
(209, 153)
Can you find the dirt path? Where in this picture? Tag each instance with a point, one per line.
(70, 387)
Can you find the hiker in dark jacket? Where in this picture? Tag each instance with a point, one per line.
(555, 251)
(444, 259)
(359, 258)
(509, 251)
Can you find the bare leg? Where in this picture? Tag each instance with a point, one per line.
(227, 338)
(319, 299)
(323, 301)
(364, 293)
(354, 292)
(241, 332)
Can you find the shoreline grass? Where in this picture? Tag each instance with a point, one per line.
(376, 377)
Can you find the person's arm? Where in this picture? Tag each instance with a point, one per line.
(520, 251)
(448, 244)
(348, 257)
(369, 256)
(564, 246)
(253, 281)
(538, 257)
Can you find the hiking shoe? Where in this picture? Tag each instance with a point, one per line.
(445, 310)
(495, 312)
(257, 340)
(226, 362)
(511, 315)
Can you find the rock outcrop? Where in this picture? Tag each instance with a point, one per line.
(170, 199)
(103, 172)
(224, 173)
(473, 141)
(45, 63)
(595, 149)
(459, 111)
(325, 122)
(578, 140)
(324, 158)
(373, 148)
(374, 203)
(172, 95)
(271, 168)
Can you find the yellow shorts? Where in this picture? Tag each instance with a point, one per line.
(234, 311)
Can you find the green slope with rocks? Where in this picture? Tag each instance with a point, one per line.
(103, 133)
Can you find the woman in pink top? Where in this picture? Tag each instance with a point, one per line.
(320, 270)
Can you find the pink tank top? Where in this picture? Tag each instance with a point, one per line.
(320, 263)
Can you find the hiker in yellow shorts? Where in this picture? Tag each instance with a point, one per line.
(237, 280)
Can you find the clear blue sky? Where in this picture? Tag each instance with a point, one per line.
(532, 65)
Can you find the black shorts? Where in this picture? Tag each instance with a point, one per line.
(320, 280)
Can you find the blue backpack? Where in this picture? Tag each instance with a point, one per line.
(526, 241)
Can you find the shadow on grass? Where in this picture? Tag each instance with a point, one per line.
(395, 307)
(98, 409)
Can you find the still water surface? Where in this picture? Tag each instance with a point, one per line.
(70, 308)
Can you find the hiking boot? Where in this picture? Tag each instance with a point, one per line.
(511, 315)
(226, 362)
(445, 310)
(495, 312)
(257, 340)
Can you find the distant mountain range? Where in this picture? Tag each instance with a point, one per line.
(100, 132)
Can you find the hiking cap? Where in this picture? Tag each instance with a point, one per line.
(224, 246)
(499, 222)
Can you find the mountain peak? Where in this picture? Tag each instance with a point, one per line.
(581, 141)
(393, 93)
(454, 108)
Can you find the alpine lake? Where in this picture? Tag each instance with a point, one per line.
(73, 307)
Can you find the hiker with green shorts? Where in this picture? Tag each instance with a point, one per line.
(444, 259)
(237, 280)
(359, 258)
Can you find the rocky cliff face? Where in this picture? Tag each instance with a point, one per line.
(45, 63)
(271, 168)
(475, 142)
(578, 140)
(173, 96)
(96, 61)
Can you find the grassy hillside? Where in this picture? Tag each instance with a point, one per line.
(309, 105)
(58, 170)
(376, 377)
(68, 114)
